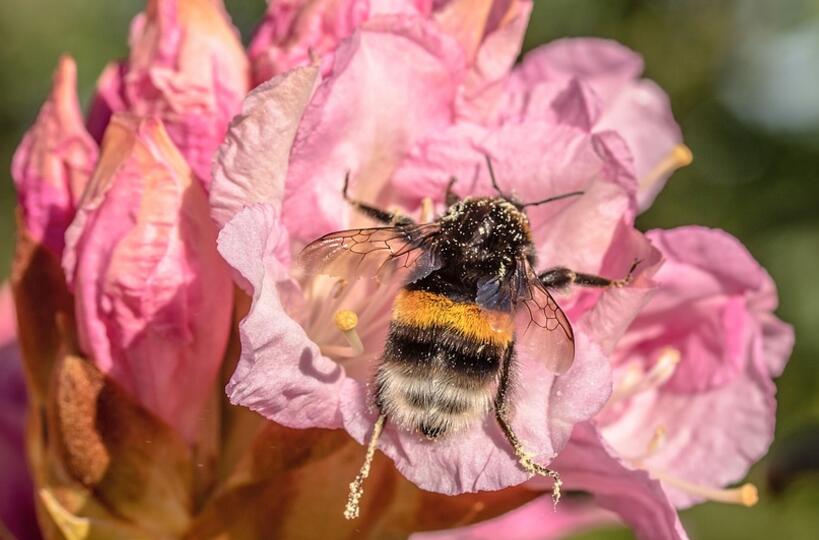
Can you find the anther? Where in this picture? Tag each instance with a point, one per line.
(346, 321)
(657, 441)
(745, 495)
(679, 157)
(635, 380)
(351, 511)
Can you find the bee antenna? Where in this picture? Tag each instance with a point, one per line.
(555, 198)
(346, 184)
(492, 176)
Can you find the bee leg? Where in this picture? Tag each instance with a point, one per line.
(561, 277)
(450, 197)
(502, 414)
(384, 216)
(352, 509)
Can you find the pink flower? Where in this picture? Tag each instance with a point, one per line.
(16, 493)
(391, 124)
(53, 162)
(187, 67)
(153, 296)
(694, 399)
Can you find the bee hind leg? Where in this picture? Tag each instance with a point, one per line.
(525, 458)
(384, 216)
(561, 277)
(352, 509)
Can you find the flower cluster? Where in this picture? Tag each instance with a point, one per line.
(155, 264)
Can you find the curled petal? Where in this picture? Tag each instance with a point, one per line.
(54, 161)
(142, 261)
(251, 164)
(281, 372)
(187, 67)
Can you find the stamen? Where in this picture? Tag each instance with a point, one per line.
(658, 440)
(746, 494)
(679, 157)
(351, 511)
(635, 380)
(346, 321)
(427, 210)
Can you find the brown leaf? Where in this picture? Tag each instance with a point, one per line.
(293, 484)
(41, 298)
(132, 463)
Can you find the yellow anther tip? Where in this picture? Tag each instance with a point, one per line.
(346, 320)
(670, 356)
(683, 155)
(748, 494)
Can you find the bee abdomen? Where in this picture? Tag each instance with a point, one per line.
(429, 400)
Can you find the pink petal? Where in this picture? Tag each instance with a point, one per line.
(577, 106)
(712, 437)
(251, 164)
(777, 343)
(16, 491)
(613, 310)
(281, 373)
(54, 161)
(110, 98)
(291, 31)
(141, 258)
(719, 262)
(641, 114)
(187, 67)
(588, 464)
(547, 408)
(704, 307)
(492, 46)
(638, 110)
(604, 64)
(358, 123)
(532, 160)
(536, 520)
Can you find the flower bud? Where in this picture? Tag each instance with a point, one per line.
(153, 297)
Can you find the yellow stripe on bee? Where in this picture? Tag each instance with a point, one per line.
(425, 309)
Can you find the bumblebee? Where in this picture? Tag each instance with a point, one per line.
(471, 297)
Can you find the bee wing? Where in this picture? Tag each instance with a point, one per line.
(542, 330)
(377, 252)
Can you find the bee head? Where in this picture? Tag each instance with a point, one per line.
(486, 231)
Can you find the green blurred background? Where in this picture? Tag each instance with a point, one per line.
(743, 76)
